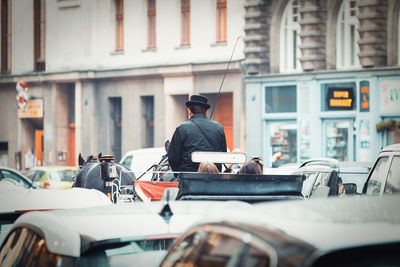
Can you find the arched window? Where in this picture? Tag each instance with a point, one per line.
(347, 35)
(290, 38)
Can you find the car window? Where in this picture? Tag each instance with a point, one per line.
(127, 162)
(63, 175)
(378, 176)
(15, 177)
(321, 180)
(255, 258)
(38, 175)
(220, 250)
(308, 182)
(31, 175)
(393, 180)
(186, 250)
(24, 247)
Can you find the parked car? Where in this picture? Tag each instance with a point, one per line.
(141, 160)
(14, 175)
(118, 235)
(349, 231)
(16, 200)
(53, 177)
(330, 173)
(384, 177)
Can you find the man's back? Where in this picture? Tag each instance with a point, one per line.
(197, 134)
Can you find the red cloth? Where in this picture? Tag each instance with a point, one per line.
(152, 191)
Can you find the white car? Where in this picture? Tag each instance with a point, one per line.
(16, 200)
(139, 161)
(119, 235)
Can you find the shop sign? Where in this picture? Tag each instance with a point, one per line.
(364, 96)
(33, 109)
(340, 99)
(390, 96)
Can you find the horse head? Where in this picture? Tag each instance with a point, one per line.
(89, 175)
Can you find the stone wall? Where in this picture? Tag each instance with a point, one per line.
(313, 34)
(373, 32)
(257, 38)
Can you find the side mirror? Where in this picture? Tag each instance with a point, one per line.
(347, 189)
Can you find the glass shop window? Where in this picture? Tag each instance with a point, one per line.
(338, 96)
(280, 99)
(283, 142)
(337, 139)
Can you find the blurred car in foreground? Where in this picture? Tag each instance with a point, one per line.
(141, 160)
(16, 200)
(53, 177)
(118, 235)
(13, 175)
(384, 177)
(352, 231)
(330, 173)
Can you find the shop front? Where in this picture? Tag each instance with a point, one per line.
(334, 116)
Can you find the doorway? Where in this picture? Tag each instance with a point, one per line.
(39, 147)
(339, 143)
(223, 114)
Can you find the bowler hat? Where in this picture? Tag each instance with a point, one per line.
(198, 100)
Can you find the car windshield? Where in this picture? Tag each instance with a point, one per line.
(63, 175)
(141, 253)
(308, 183)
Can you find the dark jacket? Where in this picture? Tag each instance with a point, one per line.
(188, 138)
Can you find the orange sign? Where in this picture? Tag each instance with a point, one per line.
(340, 98)
(33, 109)
(340, 102)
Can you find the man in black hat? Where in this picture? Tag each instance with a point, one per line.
(199, 133)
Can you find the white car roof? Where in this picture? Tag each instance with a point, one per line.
(125, 221)
(143, 159)
(21, 199)
(330, 224)
(390, 148)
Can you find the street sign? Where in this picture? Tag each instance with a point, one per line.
(33, 109)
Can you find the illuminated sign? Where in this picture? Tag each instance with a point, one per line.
(364, 96)
(340, 99)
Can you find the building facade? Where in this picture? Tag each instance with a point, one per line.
(112, 76)
(322, 79)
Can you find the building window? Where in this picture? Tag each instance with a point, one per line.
(347, 35)
(221, 21)
(119, 25)
(116, 126)
(280, 99)
(151, 23)
(290, 38)
(283, 142)
(39, 35)
(185, 22)
(148, 121)
(5, 36)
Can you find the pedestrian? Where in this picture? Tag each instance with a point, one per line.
(250, 167)
(207, 167)
(199, 133)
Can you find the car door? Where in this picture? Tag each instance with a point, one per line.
(392, 185)
(378, 175)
